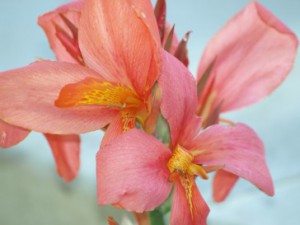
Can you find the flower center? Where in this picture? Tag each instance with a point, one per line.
(181, 163)
(182, 168)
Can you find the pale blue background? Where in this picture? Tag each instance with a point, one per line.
(31, 193)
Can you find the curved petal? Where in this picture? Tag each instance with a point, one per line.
(129, 56)
(222, 184)
(66, 152)
(11, 135)
(178, 94)
(27, 97)
(239, 149)
(113, 130)
(181, 214)
(52, 20)
(132, 172)
(254, 53)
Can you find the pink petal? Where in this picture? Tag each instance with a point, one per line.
(129, 56)
(132, 172)
(48, 21)
(11, 135)
(239, 149)
(66, 152)
(27, 97)
(223, 184)
(181, 214)
(254, 53)
(191, 130)
(113, 130)
(178, 94)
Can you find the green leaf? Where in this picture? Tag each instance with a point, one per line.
(167, 205)
(156, 217)
(163, 130)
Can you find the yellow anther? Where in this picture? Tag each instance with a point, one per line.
(180, 161)
(197, 170)
(183, 169)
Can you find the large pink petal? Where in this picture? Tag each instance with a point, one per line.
(239, 150)
(181, 214)
(66, 152)
(223, 184)
(178, 94)
(48, 21)
(27, 97)
(121, 38)
(254, 53)
(11, 135)
(132, 172)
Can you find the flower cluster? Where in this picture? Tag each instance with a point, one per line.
(121, 68)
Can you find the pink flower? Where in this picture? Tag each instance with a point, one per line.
(252, 56)
(65, 148)
(137, 171)
(114, 86)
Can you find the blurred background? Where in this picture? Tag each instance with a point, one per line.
(32, 194)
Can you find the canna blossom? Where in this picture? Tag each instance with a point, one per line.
(112, 85)
(65, 148)
(137, 172)
(242, 64)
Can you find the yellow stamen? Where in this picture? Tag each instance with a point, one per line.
(195, 169)
(180, 161)
(181, 165)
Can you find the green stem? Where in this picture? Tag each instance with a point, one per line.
(156, 217)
